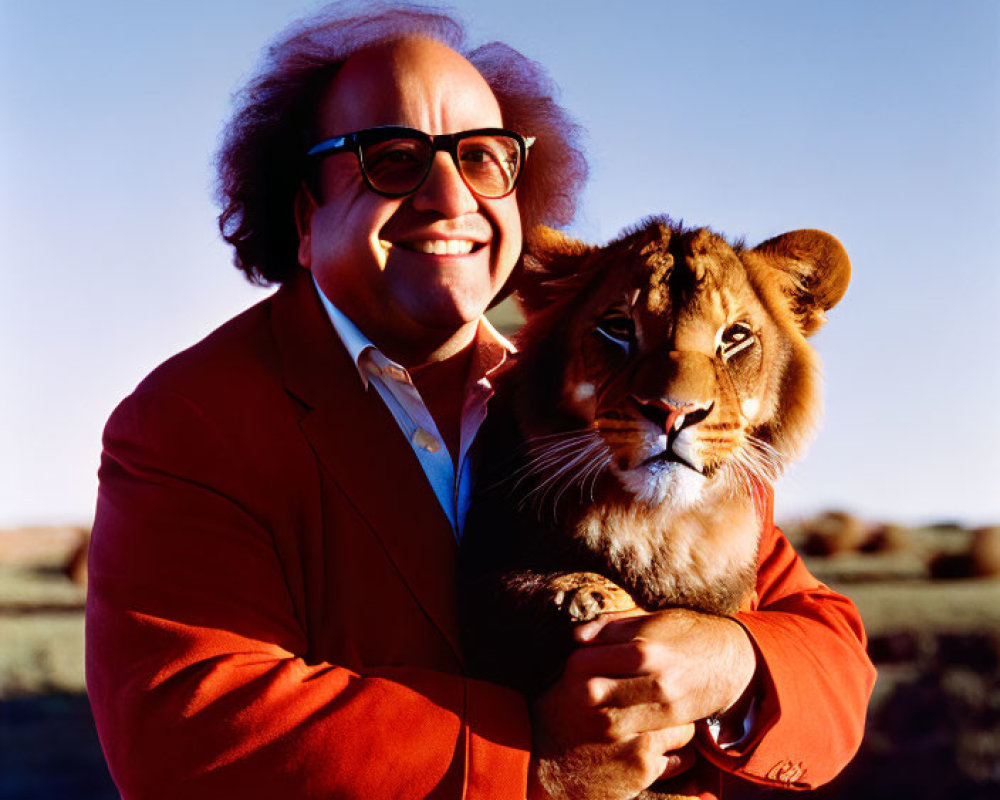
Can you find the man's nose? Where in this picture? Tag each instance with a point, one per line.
(444, 190)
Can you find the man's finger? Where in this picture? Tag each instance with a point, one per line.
(622, 708)
(625, 721)
(625, 692)
(622, 660)
(679, 761)
(597, 629)
(667, 741)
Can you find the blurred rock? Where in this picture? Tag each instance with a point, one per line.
(985, 552)
(833, 533)
(40, 546)
(981, 558)
(951, 566)
(76, 565)
(887, 540)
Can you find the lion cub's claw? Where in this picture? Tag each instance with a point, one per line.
(583, 596)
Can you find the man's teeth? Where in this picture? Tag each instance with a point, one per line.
(435, 247)
(443, 247)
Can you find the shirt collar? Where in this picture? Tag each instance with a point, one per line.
(354, 340)
(492, 347)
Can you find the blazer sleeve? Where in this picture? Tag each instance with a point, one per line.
(814, 675)
(197, 663)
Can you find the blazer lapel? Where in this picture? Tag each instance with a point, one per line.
(363, 450)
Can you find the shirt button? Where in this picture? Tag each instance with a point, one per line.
(427, 440)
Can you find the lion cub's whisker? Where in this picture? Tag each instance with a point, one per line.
(567, 466)
(541, 456)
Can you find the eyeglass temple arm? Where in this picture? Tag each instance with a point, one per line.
(336, 143)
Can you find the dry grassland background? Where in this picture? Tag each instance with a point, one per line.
(930, 599)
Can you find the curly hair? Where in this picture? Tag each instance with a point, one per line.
(261, 162)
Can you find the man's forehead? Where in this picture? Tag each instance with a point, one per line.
(416, 81)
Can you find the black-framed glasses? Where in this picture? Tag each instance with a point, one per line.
(395, 161)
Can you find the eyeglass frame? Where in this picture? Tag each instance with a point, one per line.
(446, 142)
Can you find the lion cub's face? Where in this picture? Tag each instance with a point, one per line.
(678, 362)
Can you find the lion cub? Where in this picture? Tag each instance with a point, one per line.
(663, 382)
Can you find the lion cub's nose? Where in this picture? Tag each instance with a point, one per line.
(673, 417)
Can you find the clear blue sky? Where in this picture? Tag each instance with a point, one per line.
(877, 121)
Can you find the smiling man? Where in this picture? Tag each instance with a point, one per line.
(417, 271)
(271, 609)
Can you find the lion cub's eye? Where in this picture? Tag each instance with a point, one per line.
(618, 329)
(734, 339)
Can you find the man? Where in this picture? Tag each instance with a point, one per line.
(271, 607)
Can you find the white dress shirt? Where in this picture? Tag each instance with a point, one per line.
(393, 383)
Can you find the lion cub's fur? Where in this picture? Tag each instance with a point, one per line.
(663, 382)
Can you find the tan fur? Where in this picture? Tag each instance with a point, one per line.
(663, 383)
(663, 315)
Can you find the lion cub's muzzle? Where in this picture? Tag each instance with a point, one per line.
(672, 418)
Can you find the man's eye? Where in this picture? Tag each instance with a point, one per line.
(393, 152)
(477, 155)
(735, 339)
(483, 161)
(488, 155)
(617, 329)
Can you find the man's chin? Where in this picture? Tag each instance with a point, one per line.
(444, 311)
(446, 322)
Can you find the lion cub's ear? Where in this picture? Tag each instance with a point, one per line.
(545, 242)
(553, 265)
(818, 271)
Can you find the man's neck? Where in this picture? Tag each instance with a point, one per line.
(425, 346)
(396, 335)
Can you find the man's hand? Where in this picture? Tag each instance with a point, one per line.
(582, 753)
(681, 665)
(624, 708)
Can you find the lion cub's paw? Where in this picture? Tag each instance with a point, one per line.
(582, 596)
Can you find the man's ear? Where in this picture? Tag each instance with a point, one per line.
(305, 206)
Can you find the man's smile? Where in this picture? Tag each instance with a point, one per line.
(437, 247)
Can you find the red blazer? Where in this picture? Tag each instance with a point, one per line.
(271, 606)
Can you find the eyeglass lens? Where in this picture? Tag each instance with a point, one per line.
(488, 163)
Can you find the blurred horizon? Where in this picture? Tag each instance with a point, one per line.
(879, 122)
